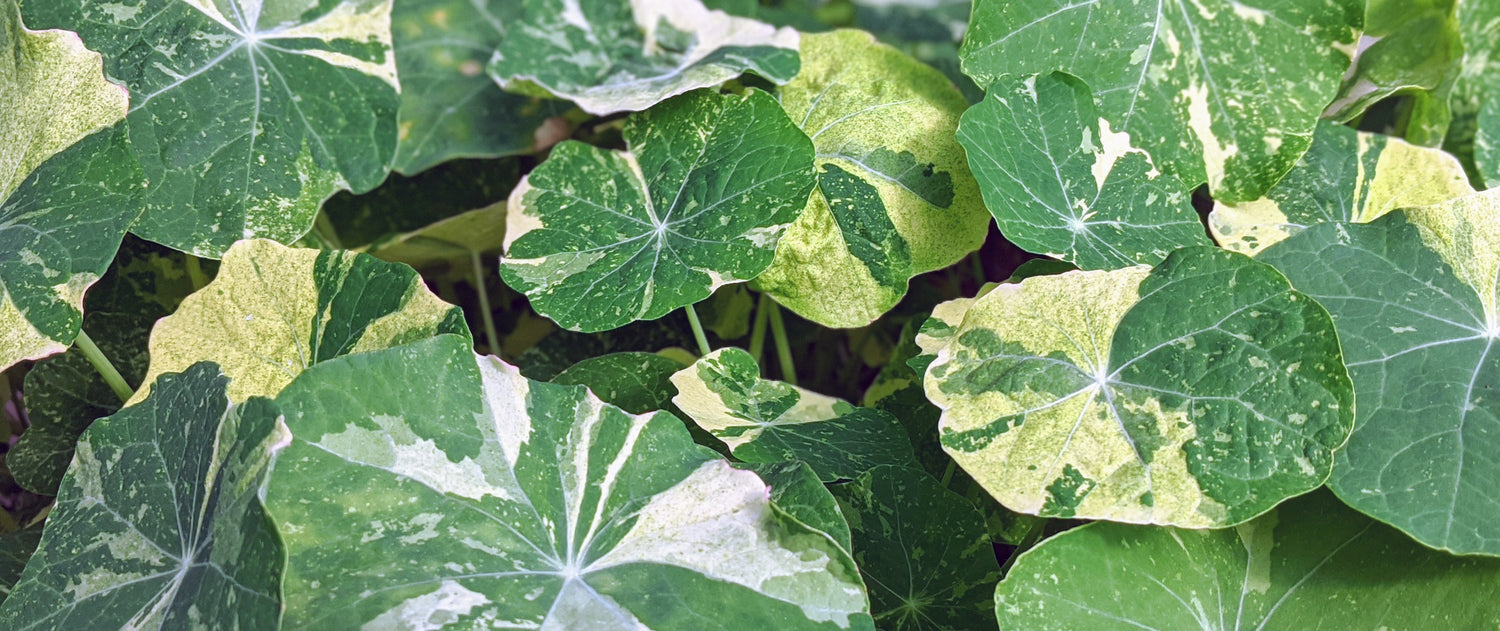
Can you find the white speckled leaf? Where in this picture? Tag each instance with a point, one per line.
(245, 114)
(1060, 182)
(611, 55)
(1474, 92)
(1227, 92)
(157, 525)
(1346, 176)
(477, 498)
(1414, 298)
(598, 239)
(1200, 393)
(894, 196)
(1310, 564)
(273, 311)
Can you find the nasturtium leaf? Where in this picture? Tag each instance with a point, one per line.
(796, 489)
(1199, 393)
(1310, 564)
(923, 551)
(1414, 298)
(17, 547)
(477, 497)
(1487, 142)
(598, 239)
(273, 311)
(1410, 47)
(58, 232)
(770, 421)
(1061, 183)
(897, 390)
(448, 245)
(1227, 93)
(1478, 81)
(1347, 176)
(157, 524)
(246, 114)
(612, 56)
(727, 312)
(449, 107)
(64, 393)
(635, 382)
(894, 197)
(560, 349)
(404, 204)
(53, 93)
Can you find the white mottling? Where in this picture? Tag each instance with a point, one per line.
(437, 609)
(1215, 152)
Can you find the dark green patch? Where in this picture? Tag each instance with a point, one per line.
(1066, 493)
(920, 178)
(867, 228)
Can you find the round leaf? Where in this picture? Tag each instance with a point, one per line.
(598, 239)
(635, 382)
(1200, 393)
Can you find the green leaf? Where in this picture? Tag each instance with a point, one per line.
(1478, 80)
(406, 204)
(64, 393)
(449, 108)
(1060, 182)
(1414, 297)
(1346, 176)
(247, 114)
(1310, 564)
(1199, 393)
(16, 549)
(1227, 93)
(923, 551)
(58, 232)
(476, 497)
(598, 239)
(894, 197)
(635, 382)
(610, 56)
(727, 313)
(1487, 143)
(796, 489)
(1408, 47)
(770, 421)
(157, 525)
(274, 311)
(53, 93)
(448, 244)
(562, 348)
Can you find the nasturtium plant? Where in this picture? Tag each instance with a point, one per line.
(157, 524)
(244, 114)
(1408, 46)
(1347, 176)
(770, 421)
(1227, 92)
(1311, 563)
(612, 56)
(273, 311)
(894, 197)
(598, 239)
(1061, 182)
(1414, 298)
(1199, 393)
(1478, 81)
(513, 502)
(635, 382)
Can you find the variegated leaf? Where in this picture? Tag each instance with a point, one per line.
(475, 497)
(273, 311)
(598, 239)
(1199, 393)
(611, 56)
(1414, 297)
(894, 197)
(246, 114)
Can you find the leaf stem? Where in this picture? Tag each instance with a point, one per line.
(492, 339)
(195, 271)
(758, 332)
(783, 349)
(325, 229)
(703, 348)
(948, 472)
(1028, 540)
(101, 363)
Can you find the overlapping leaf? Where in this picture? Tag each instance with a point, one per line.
(610, 56)
(1200, 393)
(448, 245)
(1478, 83)
(894, 198)
(1059, 181)
(597, 239)
(157, 525)
(475, 496)
(635, 382)
(246, 114)
(770, 421)
(1227, 92)
(923, 551)
(1310, 564)
(1414, 297)
(273, 311)
(449, 107)
(16, 549)
(1345, 176)
(1411, 48)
